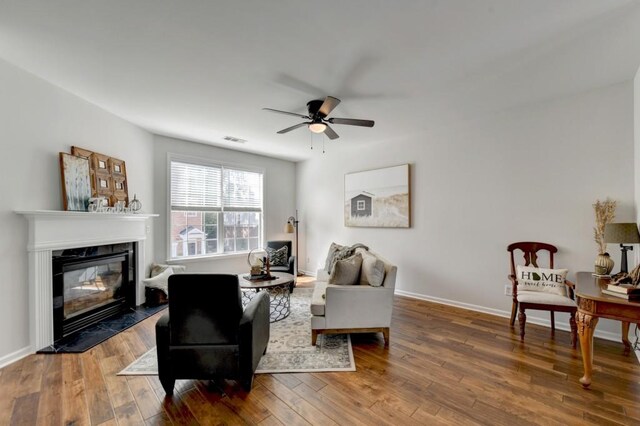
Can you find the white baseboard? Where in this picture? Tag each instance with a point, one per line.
(607, 335)
(308, 273)
(15, 356)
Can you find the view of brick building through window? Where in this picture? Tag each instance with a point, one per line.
(195, 233)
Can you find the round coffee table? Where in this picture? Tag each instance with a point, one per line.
(278, 289)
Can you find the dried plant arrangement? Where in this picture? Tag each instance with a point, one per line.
(605, 213)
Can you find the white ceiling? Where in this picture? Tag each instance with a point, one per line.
(201, 70)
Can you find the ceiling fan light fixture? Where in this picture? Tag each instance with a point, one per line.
(317, 127)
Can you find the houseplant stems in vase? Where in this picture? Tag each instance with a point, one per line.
(605, 212)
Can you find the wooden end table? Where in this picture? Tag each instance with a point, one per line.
(593, 305)
(278, 289)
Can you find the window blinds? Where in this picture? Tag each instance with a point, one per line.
(197, 187)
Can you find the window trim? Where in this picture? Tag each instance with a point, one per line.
(206, 162)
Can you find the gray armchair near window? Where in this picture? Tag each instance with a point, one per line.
(290, 267)
(207, 335)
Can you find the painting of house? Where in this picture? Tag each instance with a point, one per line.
(361, 205)
(378, 198)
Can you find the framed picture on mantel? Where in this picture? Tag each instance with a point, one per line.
(76, 182)
(378, 198)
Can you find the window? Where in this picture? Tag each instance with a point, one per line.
(215, 209)
(360, 205)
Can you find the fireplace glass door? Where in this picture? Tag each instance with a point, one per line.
(92, 287)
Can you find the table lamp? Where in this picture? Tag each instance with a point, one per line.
(622, 233)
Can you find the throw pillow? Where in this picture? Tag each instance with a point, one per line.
(372, 269)
(346, 271)
(160, 281)
(157, 269)
(278, 257)
(333, 249)
(541, 279)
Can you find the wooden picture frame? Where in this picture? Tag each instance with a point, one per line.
(76, 182)
(379, 198)
(108, 175)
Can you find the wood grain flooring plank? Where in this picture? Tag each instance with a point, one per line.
(25, 410)
(99, 404)
(146, 399)
(50, 403)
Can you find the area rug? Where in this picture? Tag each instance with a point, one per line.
(289, 349)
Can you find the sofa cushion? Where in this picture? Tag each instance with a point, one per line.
(544, 298)
(346, 271)
(278, 257)
(542, 280)
(372, 272)
(318, 298)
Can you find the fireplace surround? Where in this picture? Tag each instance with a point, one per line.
(50, 231)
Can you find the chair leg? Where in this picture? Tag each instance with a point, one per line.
(574, 329)
(514, 310)
(385, 334)
(168, 384)
(314, 337)
(553, 323)
(247, 383)
(522, 319)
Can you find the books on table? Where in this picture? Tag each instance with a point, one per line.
(632, 297)
(624, 288)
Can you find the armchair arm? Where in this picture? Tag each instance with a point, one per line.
(163, 339)
(514, 285)
(571, 288)
(253, 333)
(292, 265)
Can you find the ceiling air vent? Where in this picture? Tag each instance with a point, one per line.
(232, 139)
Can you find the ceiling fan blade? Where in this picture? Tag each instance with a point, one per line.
(288, 129)
(352, 122)
(286, 112)
(328, 105)
(330, 133)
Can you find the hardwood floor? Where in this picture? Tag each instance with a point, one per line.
(444, 366)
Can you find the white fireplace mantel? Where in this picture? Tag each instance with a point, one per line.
(51, 230)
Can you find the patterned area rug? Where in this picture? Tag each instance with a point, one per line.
(289, 349)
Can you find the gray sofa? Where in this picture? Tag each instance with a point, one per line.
(360, 308)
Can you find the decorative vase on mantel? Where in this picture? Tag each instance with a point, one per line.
(603, 264)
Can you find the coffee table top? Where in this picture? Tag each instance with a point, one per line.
(282, 279)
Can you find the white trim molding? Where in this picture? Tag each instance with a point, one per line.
(607, 335)
(58, 230)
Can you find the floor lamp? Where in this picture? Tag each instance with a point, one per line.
(290, 228)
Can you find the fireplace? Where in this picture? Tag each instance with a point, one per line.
(91, 284)
(52, 231)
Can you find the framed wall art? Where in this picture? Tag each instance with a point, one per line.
(108, 176)
(76, 182)
(378, 198)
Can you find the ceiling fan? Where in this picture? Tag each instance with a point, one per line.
(318, 111)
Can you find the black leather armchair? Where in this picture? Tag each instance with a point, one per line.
(291, 265)
(207, 335)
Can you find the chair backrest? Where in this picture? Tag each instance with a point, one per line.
(276, 244)
(204, 309)
(530, 250)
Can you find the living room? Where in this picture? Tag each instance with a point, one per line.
(514, 119)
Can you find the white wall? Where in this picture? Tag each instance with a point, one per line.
(530, 173)
(38, 120)
(279, 196)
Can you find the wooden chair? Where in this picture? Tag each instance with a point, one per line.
(535, 300)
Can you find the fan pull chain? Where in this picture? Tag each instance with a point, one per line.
(323, 139)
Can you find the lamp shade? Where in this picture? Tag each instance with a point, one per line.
(288, 228)
(623, 233)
